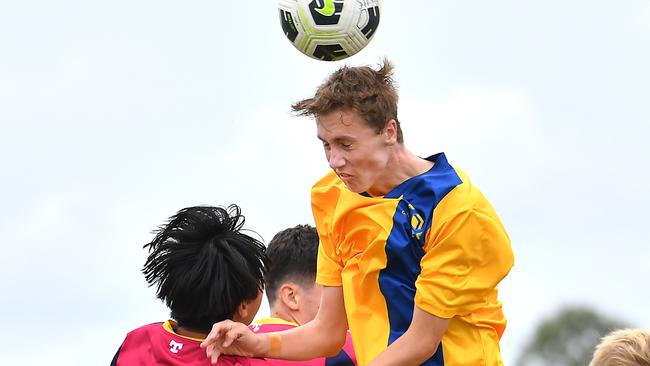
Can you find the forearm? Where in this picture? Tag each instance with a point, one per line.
(311, 340)
(323, 336)
(417, 344)
(405, 351)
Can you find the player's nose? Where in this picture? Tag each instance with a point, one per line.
(336, 159)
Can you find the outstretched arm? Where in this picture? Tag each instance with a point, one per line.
(323, 336)
(417, 344)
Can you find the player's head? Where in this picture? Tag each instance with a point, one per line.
(205, 268)
(370, 93)
(290, 282)
(627, 347)
(356, 117)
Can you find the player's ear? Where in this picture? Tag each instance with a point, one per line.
(289, 294)
(242, 312)
(389, 132)
(246, 310)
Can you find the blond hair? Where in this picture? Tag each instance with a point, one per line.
(626, 347)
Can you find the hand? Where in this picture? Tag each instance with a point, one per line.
(232, 338)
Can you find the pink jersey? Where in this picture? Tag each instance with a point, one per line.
(158, 344)
(269, 325)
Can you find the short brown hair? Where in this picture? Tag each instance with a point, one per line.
(372, 93)
(627, 347)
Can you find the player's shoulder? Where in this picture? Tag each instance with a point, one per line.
(326, 191)
(269, 325)
(147, 328)
(461, 185)
(327, 180)
(330, 198)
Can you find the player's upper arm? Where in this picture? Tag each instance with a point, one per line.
(467, 254)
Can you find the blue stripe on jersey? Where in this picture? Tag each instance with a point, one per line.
(404, 247)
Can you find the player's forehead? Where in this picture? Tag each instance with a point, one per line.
(342, 124)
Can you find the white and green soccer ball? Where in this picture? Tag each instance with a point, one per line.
(329, 30)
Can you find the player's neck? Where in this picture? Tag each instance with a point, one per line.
(408, 165)
(191, 333)
(402, 166)
(284, 314)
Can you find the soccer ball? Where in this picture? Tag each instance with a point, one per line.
(329, 30)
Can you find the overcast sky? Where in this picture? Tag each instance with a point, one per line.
(115, 114)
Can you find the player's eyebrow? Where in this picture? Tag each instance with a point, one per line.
(338, 138)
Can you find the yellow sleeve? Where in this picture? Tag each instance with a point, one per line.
(329, 268)
(324, 198)
(467, 254)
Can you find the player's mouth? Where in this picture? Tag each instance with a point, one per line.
(344, 177)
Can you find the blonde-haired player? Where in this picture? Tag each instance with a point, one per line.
(626, 347)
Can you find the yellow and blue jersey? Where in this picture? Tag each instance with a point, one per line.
(433, 242)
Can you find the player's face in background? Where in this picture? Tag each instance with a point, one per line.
(355, 151)
(310, 302)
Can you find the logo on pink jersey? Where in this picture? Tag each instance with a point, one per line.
(174, 346)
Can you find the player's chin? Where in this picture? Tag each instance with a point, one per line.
(354, 187)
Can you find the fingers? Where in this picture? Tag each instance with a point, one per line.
(228, 337)
(216, 333)
(212, 353)
(211, 342)
(232, 334)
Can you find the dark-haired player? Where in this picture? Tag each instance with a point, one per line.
(206, 270)
(292, 292)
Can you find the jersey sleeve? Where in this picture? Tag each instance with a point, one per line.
(328, 267)
(325, 195)
(467, 254)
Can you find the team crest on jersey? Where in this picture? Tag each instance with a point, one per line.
(417, 223)
(174, 346)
